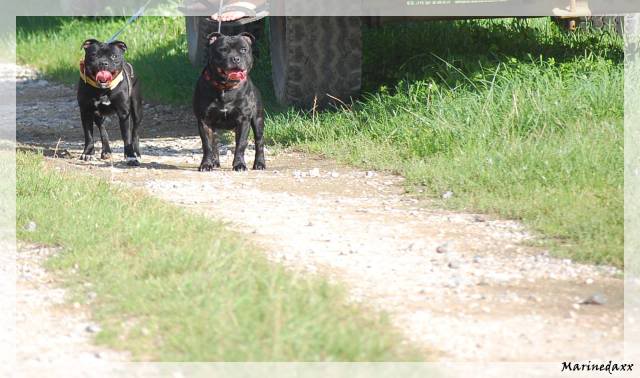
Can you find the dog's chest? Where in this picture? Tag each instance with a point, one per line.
(222, 110)
(222, 117)
(102, 105)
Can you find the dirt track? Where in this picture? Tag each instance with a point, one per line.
(49, 331)
(462, 286)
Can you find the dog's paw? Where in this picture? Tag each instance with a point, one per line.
(208, 166)
(86, 157)
(105, 155)
(132, 161)
(240, 167)
(259, 165)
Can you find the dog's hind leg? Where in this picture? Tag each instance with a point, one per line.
(87, 128)
(104, 137)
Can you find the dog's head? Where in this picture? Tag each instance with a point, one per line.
(231, 56)
(103, 61)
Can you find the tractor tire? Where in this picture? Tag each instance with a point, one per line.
(199, 27)
(315, 60)
(611, 23)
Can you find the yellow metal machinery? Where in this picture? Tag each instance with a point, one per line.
(575, 10)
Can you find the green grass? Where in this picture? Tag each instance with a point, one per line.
(173, 286)
(523, 122)
(7, 192)
(515, 117)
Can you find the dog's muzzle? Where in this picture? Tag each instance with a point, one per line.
(104, 78)
(234, 74)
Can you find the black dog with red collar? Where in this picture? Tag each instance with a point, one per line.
(226, 99)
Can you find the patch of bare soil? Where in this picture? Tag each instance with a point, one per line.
(465, 287)
(49, 331)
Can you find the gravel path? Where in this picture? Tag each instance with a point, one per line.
(7, 304)
(462, 286)
(48, 330)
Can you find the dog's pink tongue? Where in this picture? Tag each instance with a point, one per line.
(104, 76)
(236, 75)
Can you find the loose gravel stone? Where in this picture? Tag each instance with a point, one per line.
(443, 248)
(453, 282)
(31, 226)
(533, 298)
(595, 299)
(93, 328)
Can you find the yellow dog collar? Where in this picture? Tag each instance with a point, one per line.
(88, 80)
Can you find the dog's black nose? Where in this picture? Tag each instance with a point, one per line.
(103, 64)
(236, 59)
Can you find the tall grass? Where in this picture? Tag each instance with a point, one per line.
(516, 119)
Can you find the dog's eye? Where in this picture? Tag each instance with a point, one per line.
(114, 56)
(243, 50)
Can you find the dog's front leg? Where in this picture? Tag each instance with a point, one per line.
(87, 127)
(257, 124)
(125, 130)
(210, 153)
(104, 137)
(242, 132)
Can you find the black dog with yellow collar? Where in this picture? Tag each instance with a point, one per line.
(109, 86)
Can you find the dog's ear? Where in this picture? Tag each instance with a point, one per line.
(120, 44)
(88, 43)
(248, 37)
(213, 36)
